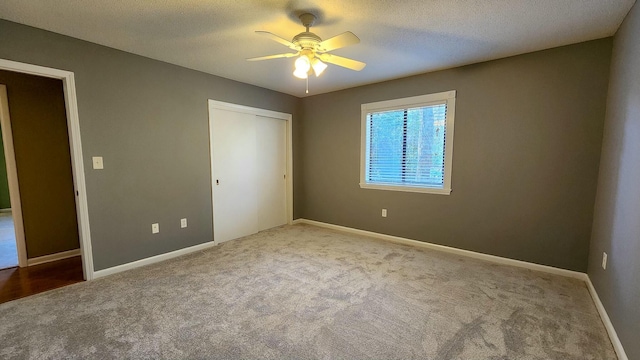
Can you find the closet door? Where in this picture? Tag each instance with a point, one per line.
(234, 174)
(271, 167)
(248, 173)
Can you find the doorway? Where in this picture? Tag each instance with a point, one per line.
(42, 203)
(78, 188)
(8, 247)
(251, 169)
(12, 246)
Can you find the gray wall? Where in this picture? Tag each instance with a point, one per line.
(43, 163)
(616, 225)
(149, 121)
(528, 133)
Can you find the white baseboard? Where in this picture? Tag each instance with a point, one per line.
(7, 210)
(152, 260)
(448, 249)
(53, 257)
(617, 345)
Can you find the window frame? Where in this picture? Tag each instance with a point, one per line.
(448, 97)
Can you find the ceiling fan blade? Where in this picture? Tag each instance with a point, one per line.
(277, 56)
(338, 41)
(342, 61)
(277, 38)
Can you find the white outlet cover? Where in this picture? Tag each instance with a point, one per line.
(183, 223)
(384, 212)
(97, 162)
(604, 260)
(155, 228)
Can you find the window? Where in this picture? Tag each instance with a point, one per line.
(407, 144)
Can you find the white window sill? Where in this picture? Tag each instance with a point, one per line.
(406, 189)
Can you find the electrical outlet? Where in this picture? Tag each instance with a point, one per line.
(183, 223)
(604, 260)
(384, 212)
(97, 162)
(155, 228)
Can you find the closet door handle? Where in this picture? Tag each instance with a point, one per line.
(217, 182)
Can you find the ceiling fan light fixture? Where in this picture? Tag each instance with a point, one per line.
(300, 74)
(302, 64)
(318, 66)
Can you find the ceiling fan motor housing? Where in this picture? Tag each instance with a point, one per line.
(306, 40)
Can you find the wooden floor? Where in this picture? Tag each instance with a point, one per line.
(20, 282)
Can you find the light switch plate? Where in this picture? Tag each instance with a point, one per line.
(155, 228)
(183, 223)
(97, 163)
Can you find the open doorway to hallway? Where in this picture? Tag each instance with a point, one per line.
(8, 246)
(78, 188)
(41, 227)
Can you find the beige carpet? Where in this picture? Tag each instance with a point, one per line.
(301, 292)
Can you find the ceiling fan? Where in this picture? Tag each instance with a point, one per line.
(312, 51)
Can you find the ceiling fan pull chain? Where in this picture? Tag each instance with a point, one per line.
(307, 85)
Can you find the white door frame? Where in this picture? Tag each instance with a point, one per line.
(12, 177)
(213, 104)
(77, 165)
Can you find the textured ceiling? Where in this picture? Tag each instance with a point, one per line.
(398, 38)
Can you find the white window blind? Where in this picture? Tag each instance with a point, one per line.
(405, 147)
